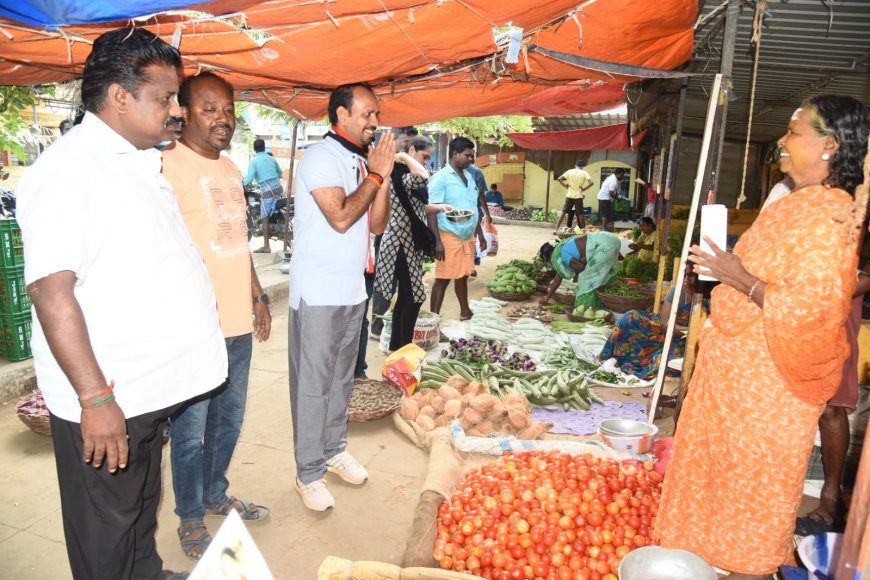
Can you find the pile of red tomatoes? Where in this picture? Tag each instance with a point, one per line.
(548, 515)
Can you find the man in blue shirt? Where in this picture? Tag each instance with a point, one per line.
(267, 173)
(454, 241)
(495, 196)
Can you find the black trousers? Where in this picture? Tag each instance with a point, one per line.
(406, 310)
(109, 520)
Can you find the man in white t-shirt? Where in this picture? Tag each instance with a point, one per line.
(342, 195)
(126, 326)
(607, 195)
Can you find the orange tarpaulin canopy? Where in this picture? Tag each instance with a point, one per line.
(426, 59)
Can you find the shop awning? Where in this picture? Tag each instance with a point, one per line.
(426, 59)
(610, 137)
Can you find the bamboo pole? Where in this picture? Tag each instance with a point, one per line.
(713, 108)
(287, 238)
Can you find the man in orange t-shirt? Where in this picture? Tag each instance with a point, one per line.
(211, 198)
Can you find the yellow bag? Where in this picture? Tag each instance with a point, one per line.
(404, 368)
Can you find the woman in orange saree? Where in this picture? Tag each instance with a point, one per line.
(771, 355)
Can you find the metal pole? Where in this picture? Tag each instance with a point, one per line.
(289, 188)
(729, 41)
(549, 178)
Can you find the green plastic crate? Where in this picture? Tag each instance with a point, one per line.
(15, 332)
(13, 292)
(11, 246)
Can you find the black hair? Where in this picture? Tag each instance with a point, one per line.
(259, 145)
(409, 131)
(343, 97)
(419, 144)
(847, 120)
(579, 163)
(619, 171)
(546, 252)
(64, 124)
(459, 145)
(121, 56)
(493, 186)
(184, 89)
(649, 221)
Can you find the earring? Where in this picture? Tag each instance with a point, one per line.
(826, 156)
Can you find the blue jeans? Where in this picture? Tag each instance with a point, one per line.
(204, 435)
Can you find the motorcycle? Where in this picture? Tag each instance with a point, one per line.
(277, 220)
(7, 196)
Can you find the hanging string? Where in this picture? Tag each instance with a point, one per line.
(757, 25)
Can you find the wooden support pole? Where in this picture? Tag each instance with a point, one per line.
(549, 178)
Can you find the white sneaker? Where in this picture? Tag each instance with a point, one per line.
(347, 468)
(315, 496)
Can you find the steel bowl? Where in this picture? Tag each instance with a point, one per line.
(626, 428)
(459, 215)
(657, 563)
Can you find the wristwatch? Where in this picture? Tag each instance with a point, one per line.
(262, 298)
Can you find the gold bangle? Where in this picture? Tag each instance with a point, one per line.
(752, 290)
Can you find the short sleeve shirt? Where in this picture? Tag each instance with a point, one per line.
(327, 266)
(212, 202)
(610, 184)
(446, 187)
(577, 179)
(96, 206)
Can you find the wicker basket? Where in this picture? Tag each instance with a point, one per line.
(565, 235)
(625, 303)
(33, 413)
(371, 399)
(564, 298)
(512, 296)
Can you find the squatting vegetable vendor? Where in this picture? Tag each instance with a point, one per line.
(595, 255)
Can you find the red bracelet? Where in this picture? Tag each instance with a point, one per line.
(376, 177)
(108, 391)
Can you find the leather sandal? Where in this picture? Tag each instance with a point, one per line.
(195, 539)
(249, 511)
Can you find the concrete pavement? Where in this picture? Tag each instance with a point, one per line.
(370, 522)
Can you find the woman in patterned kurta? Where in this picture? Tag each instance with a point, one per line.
(772, 355)
(399, 261)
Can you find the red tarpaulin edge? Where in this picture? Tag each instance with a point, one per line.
(612, 137)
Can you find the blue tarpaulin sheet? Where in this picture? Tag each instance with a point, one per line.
(53, 13)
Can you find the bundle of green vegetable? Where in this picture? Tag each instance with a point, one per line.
(558, 309)
(622, 290)
(490, 325)
(634, 267)
(566, 388)
(591, 313)
(564, 358)
(531, 334)
(511, 279)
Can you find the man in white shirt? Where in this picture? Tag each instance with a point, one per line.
(607, 195)
(342, 196)
(126, 327)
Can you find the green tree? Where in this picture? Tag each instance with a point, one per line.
(492, 129)
(14, 105)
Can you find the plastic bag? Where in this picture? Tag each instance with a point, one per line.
(404, 368)
(490, 234)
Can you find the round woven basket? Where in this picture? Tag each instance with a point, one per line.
(512, 296)
(625, 303)
(564, 298)
(565, 235)
(572, 318)
(371, 399)
(37, 423)
(32, 411)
